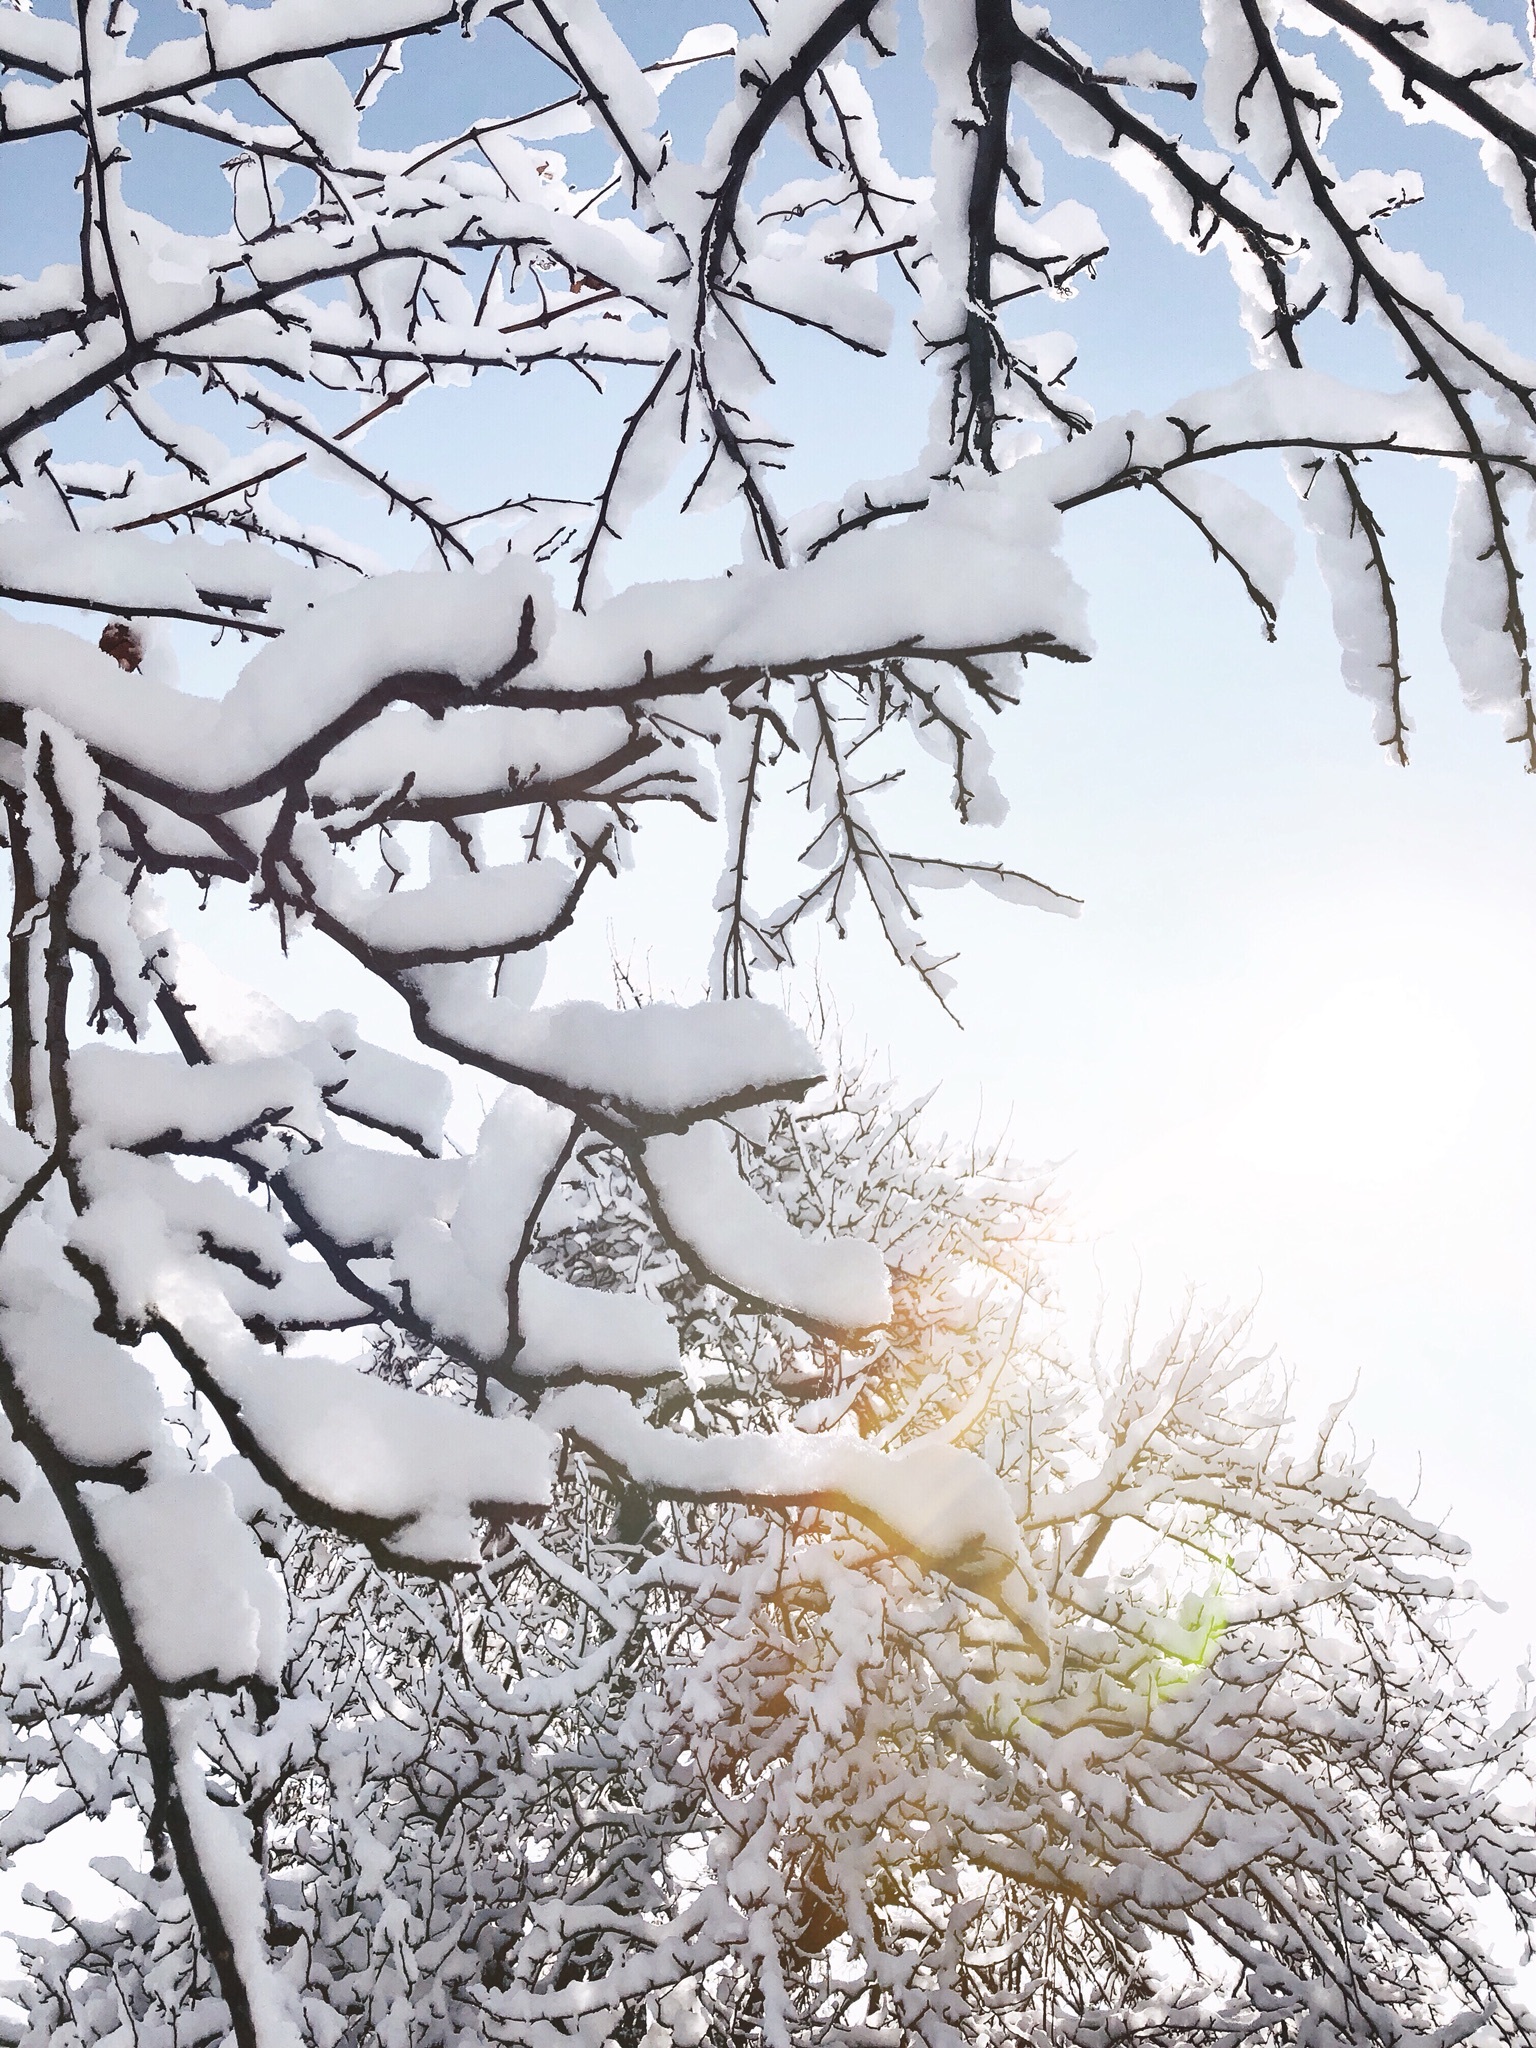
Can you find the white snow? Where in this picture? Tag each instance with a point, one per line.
(94, 1400)
(663, 1061)
(939, 1504)
(361, 1447)
(202, 1597)
(157, 1100)
(591, 1332)
(739, 1240)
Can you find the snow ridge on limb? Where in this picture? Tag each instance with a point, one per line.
(742, 1242)
(932, 1502)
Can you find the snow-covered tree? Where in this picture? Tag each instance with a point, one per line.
(263, 234)
(700, 1775)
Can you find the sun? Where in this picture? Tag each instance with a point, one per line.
(1368, 1081)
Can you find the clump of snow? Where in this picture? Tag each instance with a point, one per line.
(592, 1333)
(99, 1406)
(204, 1601)
(738, 1239)
(662, 1063)
(363, 1448)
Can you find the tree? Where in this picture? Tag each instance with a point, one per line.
(738, 1779)
(247, 236)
